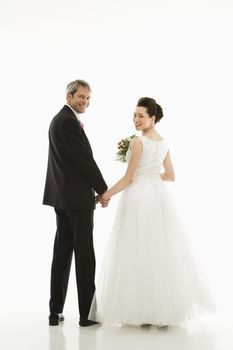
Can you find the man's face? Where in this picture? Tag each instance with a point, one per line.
(80, 100)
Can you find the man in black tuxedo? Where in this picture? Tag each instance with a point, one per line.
(72, 179)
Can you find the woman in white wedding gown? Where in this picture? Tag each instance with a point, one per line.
(148, 275)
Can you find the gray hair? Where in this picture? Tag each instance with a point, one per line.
(74, 85)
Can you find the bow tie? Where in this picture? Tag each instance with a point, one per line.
(82, 125)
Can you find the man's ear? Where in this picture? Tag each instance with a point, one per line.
(68, 96)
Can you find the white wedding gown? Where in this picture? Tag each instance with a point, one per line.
(148, 274)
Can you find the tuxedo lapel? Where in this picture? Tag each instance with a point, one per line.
(69, 112)
(87, 141)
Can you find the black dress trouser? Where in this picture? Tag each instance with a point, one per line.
(74, 234)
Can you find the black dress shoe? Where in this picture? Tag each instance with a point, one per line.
(55, 319)
(86, 323)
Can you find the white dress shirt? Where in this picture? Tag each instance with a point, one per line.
(76, 113)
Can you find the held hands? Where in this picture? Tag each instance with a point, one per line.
(103, 199)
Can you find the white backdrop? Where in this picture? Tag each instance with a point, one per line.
(180, 53)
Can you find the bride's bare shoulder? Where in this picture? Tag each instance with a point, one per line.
(136, 141)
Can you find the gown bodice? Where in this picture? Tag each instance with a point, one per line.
(154, 152)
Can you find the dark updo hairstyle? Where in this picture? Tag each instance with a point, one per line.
(152, 107)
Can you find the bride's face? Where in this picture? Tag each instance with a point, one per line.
(142, 119)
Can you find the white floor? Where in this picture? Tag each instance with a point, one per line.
(22, 333)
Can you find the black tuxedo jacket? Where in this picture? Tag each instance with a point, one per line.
(73, 176)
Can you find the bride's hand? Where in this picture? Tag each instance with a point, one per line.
(104, 199)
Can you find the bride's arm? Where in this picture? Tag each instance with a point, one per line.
(169, 174)
(136, 147)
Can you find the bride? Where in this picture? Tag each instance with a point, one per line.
(148, 275)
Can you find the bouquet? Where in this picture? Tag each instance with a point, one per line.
(123, 147)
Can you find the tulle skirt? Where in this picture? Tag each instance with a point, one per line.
(149, 274)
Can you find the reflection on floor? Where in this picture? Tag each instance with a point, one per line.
(29, 334)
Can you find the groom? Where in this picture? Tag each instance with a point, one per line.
(72, 179)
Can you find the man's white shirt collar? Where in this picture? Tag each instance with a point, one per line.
(76, 113)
